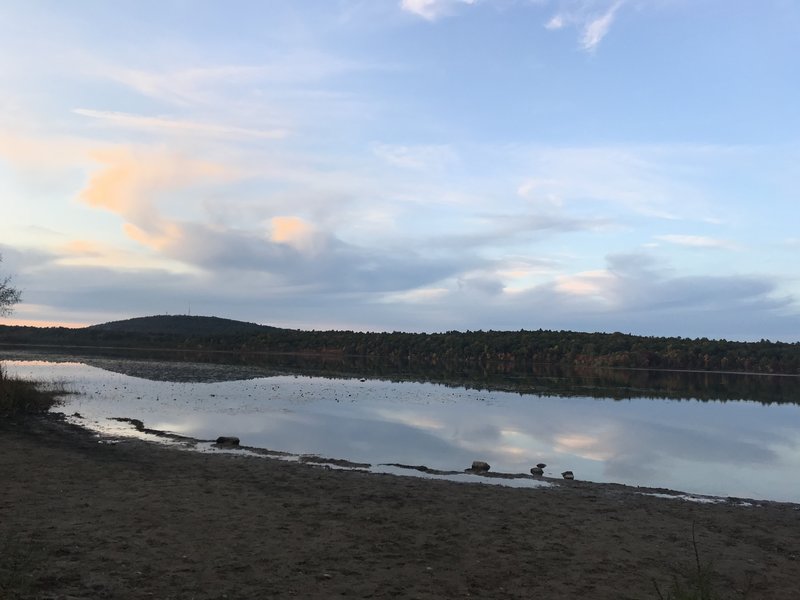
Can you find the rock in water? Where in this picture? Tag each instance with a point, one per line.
(227, 441)
(568, 475)
(538, 471)
(480, 466)
(541, 465)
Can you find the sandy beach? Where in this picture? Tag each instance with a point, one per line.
(84, 519)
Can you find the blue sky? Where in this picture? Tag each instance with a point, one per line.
(420, 165)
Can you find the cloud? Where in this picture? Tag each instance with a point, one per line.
(159, 235)
(29, 150)
(298, 256)
(363, 288)
(637, 293)
(297, 233)
(132, 179)
(592, 22)
(419, 157)
(289, 92)
(638, 282)
(130, 121)
(285, 253)
(541, 191)
(159, 193)
(185, 87)
(595, 30)
(634, 293)
(697, 241)
(220, 85)
(556, 22)
(432, 10)
(93, 253)
(662, 182)
(492, 231)
(589, 283)
(592, 18)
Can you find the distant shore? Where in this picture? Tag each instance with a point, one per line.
(79, 518)
(519, 350)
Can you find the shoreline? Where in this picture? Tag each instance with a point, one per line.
(173, 441)
(139, 520)
(212, 372)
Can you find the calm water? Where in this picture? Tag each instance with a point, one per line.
(735, 448)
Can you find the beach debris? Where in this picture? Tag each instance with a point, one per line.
(421, 469)
(138, 425)
(224, 440)
(479, 466)
(537, 470)
(541, 465)
(568, 475)
(336, 462)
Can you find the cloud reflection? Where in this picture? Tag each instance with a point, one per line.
(733, 448)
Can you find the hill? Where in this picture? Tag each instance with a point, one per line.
(183, 325)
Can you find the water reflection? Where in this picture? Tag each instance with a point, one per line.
(744, 449)
(546, 380)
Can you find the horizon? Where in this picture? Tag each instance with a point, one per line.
(364, 331)
(592, 166)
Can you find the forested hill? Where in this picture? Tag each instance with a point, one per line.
(512, 350)
(182, 325)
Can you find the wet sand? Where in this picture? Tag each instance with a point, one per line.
(82, 519)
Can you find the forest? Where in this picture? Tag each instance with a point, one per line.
(517, 351)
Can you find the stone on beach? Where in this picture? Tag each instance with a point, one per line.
(480, 466)
(537, 470)
(227, 440)
(568, 475)
(541, 465)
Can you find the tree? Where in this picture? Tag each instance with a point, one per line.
(9, 295)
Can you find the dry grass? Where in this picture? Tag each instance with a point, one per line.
(20, 396)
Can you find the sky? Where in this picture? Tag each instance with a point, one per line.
(405, 165)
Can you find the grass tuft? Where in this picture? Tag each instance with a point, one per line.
(697, 584)
(21, 562)
(23, 397)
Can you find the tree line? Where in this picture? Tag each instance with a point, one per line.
(512, 351)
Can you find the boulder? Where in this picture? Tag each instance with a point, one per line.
(538, 471)
(541, 465)
(480, 466)
(568, 475)
(227, 441)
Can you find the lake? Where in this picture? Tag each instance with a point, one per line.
(724, 435)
